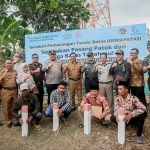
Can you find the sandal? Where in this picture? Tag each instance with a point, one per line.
(80, 125)
(139, 140)
(65, 122)
(37, 127)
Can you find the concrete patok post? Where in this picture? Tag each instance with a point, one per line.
(55, 117)
(24, 119)
(87, 118)
(121, 125)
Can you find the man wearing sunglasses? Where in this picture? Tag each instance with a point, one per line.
(17, 62)
(120, 70)
(54, 73)
(38, 76)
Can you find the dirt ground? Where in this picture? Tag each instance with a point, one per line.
(69, 137)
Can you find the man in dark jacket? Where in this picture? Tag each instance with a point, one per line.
(33, 104)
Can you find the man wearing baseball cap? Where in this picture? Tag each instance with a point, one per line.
(54, 73)
(90, 78)
(30, 100)
(120, 69)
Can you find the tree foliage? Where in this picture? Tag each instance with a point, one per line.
(64, 14)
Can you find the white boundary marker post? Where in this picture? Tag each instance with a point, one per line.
(87, 118)
(24, 119)
(121, 125)
(55, 117)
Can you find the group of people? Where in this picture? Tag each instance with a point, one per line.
(22, 84)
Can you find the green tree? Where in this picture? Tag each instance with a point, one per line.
(12, 32)
(64, 14)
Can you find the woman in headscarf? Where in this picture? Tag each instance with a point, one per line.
(25, 76)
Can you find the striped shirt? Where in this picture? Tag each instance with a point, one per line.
(62, 99)
(131, 104)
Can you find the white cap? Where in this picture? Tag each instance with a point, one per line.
(24, 86)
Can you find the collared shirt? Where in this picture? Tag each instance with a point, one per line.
(54, 74)
(123, 69)
(103, 72)
(32, 103)
(146, 62)
(17, 67)
(38, 76)
(74, 70)
(9, 80)
(62, 99)
(88, 70)
(98, 101)
(137, 78)
(131, 104)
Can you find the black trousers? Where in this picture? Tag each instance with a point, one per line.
(138, 121)
(89, 82)
(37, 119)
(40, 96)
(139, 93)
(50, 88)
(148, 82)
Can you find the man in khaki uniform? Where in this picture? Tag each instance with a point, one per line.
(9, 90)
(1, 67)
(75, 83)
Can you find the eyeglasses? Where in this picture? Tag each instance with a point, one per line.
(118, 54)
(17, 56)
(35, 57)
(133, 53)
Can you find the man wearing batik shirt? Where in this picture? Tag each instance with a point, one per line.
(135, 111)
(95, 99)
(137, 77)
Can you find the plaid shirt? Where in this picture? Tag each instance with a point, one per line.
(62, 99)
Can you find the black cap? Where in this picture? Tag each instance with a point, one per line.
(119, 52)
(94, 87)
(123, 83)
(89, 54)
(52, 52)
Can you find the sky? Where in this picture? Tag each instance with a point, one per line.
(124, 12)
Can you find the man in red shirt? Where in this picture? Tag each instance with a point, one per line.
(95, 99)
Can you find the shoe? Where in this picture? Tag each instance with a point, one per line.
(37, 127)
(65, 122)
(1, 124)
(9, 125)
(73, 109)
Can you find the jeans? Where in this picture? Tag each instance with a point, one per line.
(49, 112)
(37, 119)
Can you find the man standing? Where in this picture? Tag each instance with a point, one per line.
(38, 76)
(120, 69)
(62, 96)
(146, 66)
(54, 73)
(30, 100)
(137, 78)
(135, 111)
(75, 83)
(90, 77)
(105, 79)
(95, 99)
(17, 62)
(9, 90)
